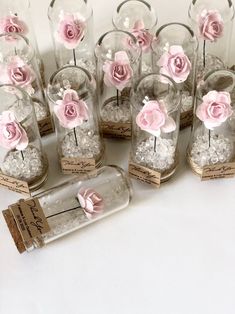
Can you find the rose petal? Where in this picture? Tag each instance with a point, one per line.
(12, 135)
(176, 49)
(169, 125)
(139, 25)
(121, 57)
(24, 141)
(70, 95)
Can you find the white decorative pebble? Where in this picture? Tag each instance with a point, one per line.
(112, 112)
(86, 64)
(212, 63)
(162, 159)
(27, 167)
(187, 101)
(220, 150)
(40, 111)
(88, 144)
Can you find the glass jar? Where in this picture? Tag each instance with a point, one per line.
(139, 18)
(21, 154)
(18, 67)
(15, 17)
(156, 115)
(72, 98)
(175, 55)
(72, 33)
(118, 66)
(212, 22)
(212, 139)
(72, 206)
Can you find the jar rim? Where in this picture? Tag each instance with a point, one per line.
(199, 95)
(20, 89)
(231, 6)
(87, 74)
(135, 41)
(88, 176)
(25, 95)
(191, 32)
(185, 26)
(25, 40)
(85, 1)
(148, 5)
(177, 100)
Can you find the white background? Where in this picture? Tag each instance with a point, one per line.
(171, 252)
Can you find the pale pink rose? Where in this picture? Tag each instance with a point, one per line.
(118, 73)
(17, 72)
(91, 202)
(12, 135)
(215, 109)
(144, 38)
(12, 24)
(211, 25)
(153, 118)
(175, 64)
(71, 30)
(71, 111)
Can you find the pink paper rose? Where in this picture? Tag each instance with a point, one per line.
(12, 135)
(17, 72)
(91, 202)
(175, 64)
(143, 37)
(153, 118)
(12, 24)
(71, 111)
(118, 73)
(215, 109)
(211, 25)
(71, 30)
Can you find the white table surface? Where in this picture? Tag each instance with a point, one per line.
(171, 252)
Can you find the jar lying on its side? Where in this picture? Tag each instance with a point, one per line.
(68, 207)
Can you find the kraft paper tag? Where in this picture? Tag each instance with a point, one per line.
(186, 119)
(46, 126)
(77, 165)
(145, 174)
(118, 130)
(30, 219)
(14, 184)
(219, 171)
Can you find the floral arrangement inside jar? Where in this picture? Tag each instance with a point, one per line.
(175, 55)
(18, 67)
(118, 65)
(212, 22)
(156, 112)
(15, 19)
(79, 142)
(213, 146)
(139, 19)
(69, 207)
(72, 33)
(21, 152)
